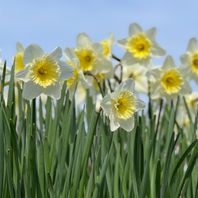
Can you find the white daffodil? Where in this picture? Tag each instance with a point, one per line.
(190, 59)
(43, 73)
(192, 102)
(140, 46)
(121, 105)
(107, 45)
(19, 65)
(170, 81)
(77, 76)
(138, 74)
(91, 56)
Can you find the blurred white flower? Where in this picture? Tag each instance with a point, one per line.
(138, 74)
(190, 59)
(91, 56)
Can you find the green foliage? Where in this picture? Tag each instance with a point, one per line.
(48, 150)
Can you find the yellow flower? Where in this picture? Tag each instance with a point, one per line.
(121, 105)
(140, 46)
(43, 73)
(190, 59)
(169, 81)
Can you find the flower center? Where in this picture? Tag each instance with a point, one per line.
(124, 105)
(44, 71)
(86, 58)
(19, 62)
(73, 79)
(194, 63)
(139, 46)
(172, 81)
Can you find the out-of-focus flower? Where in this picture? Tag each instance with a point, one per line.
(140, 46)
(43, 73)
(169, 80)
(77, 76)
(138, 74)
(107, 45)
(121, 105)
(19, 64)
(190, 59)
(91, 56)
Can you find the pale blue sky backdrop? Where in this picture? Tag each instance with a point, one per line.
(57, 23)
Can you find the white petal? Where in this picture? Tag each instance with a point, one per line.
(32, 52)
(113, 123)
(140, 105)
(83, 40)
(19, 47)
(134, 28)
(31, 90)
(185, 59)
(70, 54)
(103, 65)
(186, 89)
(141, 85)
(97, 47)
(122, 42)
(127, 85)
(192, 45)
(66, 71)
(157, 50)
(128, 124)
(106, 104)
(128, 60)
(56, 54)
(23, 74)
(151, 33)
(168, 63)
(54, 91)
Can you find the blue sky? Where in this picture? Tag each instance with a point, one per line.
(56, 23)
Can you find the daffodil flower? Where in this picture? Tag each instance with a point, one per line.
(107, 45)
(19, 65)
(91, 56)
(138, 74)
(43, 73)
(190, 59)
(170, 81)
(140, 46)
(77, 76)
(121, 105)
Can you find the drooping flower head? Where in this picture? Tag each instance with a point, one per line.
(43, 73)
(140, 46)
(121, 105)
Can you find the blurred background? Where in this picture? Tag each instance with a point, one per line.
(57, 23)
